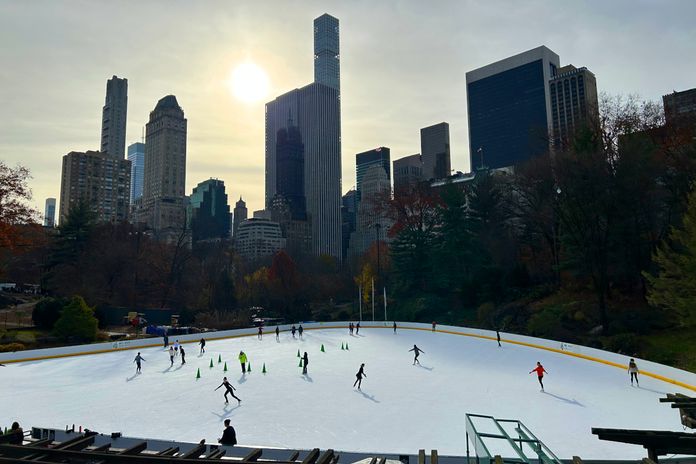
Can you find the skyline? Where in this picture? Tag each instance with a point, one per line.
(52, 92)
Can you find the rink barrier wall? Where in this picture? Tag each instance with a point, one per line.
(651, 369)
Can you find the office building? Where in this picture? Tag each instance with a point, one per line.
(208, 212)
(349, 208)
(363, 161)
(371, 221)
(574, 103)
(113, 130)
(290, 170)
(100, 181)
(50, 213)
(258, 238)
(136, 155)
(162, 206)
(240, 214)
(296, 230)
(680, 107)
(435, 151)
(509, 108)
(316, 112)
(408, 172)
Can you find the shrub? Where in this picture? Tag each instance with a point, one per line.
(47, 311)
(77, 321)
(11, 347)
(625, 343)
(546, 322)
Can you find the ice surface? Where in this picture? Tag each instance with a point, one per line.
(401, 407)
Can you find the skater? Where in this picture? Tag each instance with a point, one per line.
(359, 376)
(417, 351)
(202, 343)
(293, 330)
(229, 436)
(395, 329)
(540, 374)
(434, 324)
(305, 361)
(277, 334)
(633, 370)
(243, 361)
(229, 389)
(497, 334)
(171, 356)
(357, 328)
(350, 328)
(260, 335)
(137, 361)
(300, 330)
(183, 355)
(166, 339)
(176, 347)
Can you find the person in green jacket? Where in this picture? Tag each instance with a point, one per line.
(243, 361)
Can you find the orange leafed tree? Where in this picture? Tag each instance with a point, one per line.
(14, 212)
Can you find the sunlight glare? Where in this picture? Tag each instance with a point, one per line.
(249, 83)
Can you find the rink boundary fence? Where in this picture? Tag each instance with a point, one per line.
(195, 338)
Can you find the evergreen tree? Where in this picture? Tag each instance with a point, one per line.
(77, 321)
(674, 287)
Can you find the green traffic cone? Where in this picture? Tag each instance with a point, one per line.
(300, 365)
(219, 358)
(322, 348)
(346, 346)
(342, 346)
(225, 368)
(198, 374)
(263, 371)
(298, 354)
(249, 368)
(211, 363)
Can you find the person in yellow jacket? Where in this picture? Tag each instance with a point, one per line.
(243, 361)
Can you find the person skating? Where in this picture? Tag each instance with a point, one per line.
(539, 369)
(359, 376)
(243, 361)
(137, 361)
(350, 328)
(416, 351)
(229, 389)
(171, 356)
(176, 347)
(165, 338)
(305, 361)
(183, 355)
(229, 436)
(357, 328)
(260, 334)
(300, 330)
(434, 325)
(497, 335)
(293, 329)
(277, 334)
(395, 329)
(202, 343)
(633, 370)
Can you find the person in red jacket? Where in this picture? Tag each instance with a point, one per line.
(539, 369)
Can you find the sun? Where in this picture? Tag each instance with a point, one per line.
(249, 82)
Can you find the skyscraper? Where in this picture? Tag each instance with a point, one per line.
(136, 155)
(573, 102)
(290, 169)
(162, 207)
(208, 212)
(98, 180)
(113, 132)
(316, 112)
(50, 213)
(435, 151)
(509, 107)
(376, 157)
(327, 63)
(408, 171)
(680, 107)
(371, 221)
(240, 214)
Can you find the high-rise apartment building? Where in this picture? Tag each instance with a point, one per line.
(290, 183)
(162, 207)
(349, 209)
(379, 156)
(435, 151)
(258, 237)
(316, 112)
(509, 108)
(680, 107)
(136, 155)
(574, 103)
(50, 213)
(239, 214)
(371, 221)
(208, 213)
(100, 181)
(113, 130)
(408, 172)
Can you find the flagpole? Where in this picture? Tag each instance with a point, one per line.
(385, 304)
(360, 300)
(373, 299)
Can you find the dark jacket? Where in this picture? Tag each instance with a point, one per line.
(16, 436)
(229, 436)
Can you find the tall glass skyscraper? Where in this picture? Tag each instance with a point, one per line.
(378, 156)
(316, 112)
(136, 155)
(509, 106)
(435, 151)
(113, 133)
(208, 212)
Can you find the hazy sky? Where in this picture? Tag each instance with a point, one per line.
(403, 66)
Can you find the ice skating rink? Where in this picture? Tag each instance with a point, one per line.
(401, 407)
